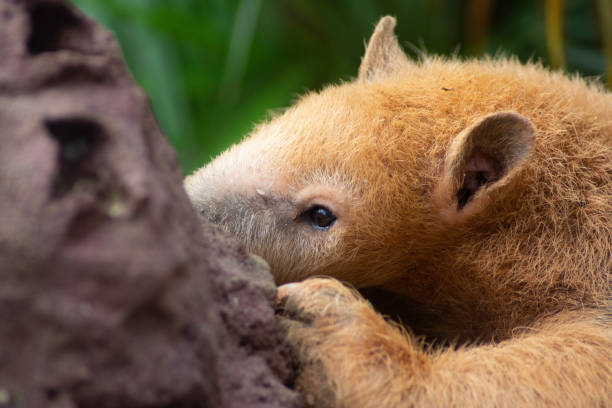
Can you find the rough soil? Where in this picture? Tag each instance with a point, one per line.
(112, 292)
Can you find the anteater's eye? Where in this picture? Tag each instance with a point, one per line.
(319, 217)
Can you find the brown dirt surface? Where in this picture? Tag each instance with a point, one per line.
(112, 292)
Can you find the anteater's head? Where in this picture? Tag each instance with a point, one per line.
(365, 180)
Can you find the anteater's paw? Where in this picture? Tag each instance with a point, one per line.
(322, 319)
(317, 301)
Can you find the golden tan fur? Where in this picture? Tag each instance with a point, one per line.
(481, 191)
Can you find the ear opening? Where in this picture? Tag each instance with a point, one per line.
(383, 54)
(480, 170)
(483, 159)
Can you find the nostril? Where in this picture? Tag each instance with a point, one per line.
(208, 215)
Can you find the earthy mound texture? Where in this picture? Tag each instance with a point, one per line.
(112, 292)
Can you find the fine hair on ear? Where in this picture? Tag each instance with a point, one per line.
(383, 55)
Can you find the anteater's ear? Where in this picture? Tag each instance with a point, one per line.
(481, 161)
(383, 54)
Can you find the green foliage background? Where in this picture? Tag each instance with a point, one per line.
(213, 68)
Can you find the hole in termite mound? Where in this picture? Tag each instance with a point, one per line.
(54, 27)
(77, 140)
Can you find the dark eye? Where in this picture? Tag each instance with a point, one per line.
(319, 217)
